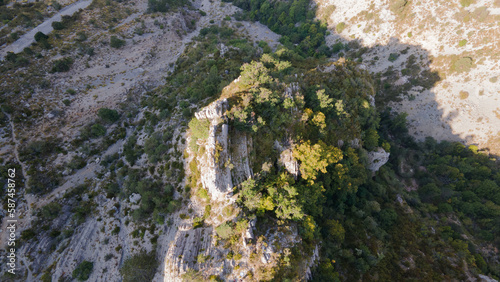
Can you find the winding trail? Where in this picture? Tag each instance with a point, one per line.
(46, 27)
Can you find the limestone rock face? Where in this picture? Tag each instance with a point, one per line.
(215, 174)
(290, 163)
(240, 145)
(135, 198)
(189, 250)
(213, 111)
(286, 158)
(377, 159)
(311, 262)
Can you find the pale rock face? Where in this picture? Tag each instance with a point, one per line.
(290, 163)
(213, 111)
(215, 175)
(134, 198)
(372, 100)
(187, 247)
(240, 146)
(355, 143)
(377, 159)
(311, 262)
(293, 88)
(487, 278)
(223, 49)
(286, 158)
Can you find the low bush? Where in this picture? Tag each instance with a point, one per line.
(140, 267)
(58, 25)
(115, 42)
(62, 65)
(340, 27)
(108, 115)
(83, 270)
(225, 231)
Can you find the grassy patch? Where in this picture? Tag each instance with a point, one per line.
(463, 64)
(466, 3)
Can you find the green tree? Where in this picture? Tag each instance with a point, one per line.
(254, 74)
(336, 231)
(325, 102)
(57, 25)
(108, 115)
(39, 36)
(315, 158)
(284, 195)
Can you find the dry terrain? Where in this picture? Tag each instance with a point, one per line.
(463, 104)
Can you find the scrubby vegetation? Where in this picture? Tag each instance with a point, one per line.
(140, 267)
(164, 6)
(83, 270)
(294, 20)
(371, 226)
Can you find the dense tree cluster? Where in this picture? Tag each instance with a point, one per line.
(293, 20)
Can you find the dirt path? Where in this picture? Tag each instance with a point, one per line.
(46, 27)
(24, 170)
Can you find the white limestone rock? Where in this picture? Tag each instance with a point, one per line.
(213, 111)
(134, 198)
(286, 158)
(377, 159)
(215, 176)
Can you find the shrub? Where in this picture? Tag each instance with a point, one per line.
(141, 267)
(97, 130)
(337, 47)
(225, 231)
(62, 65)
(71, 91)
(462, 42)
(40, 36)
(14, 36)
(115, 42)
(50, 211)
(393, 57)
(108, 115)
(81, 36)
(464, 95)
(58, 25)
(340, 27)
(83, 270)
(56, 5)
(199, 130)
(28, 234)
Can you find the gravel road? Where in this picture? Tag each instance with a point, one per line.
(45, 27)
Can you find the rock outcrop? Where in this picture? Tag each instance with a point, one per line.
(215, 173)
(377, 159)
(194, 249)
(286, 158)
